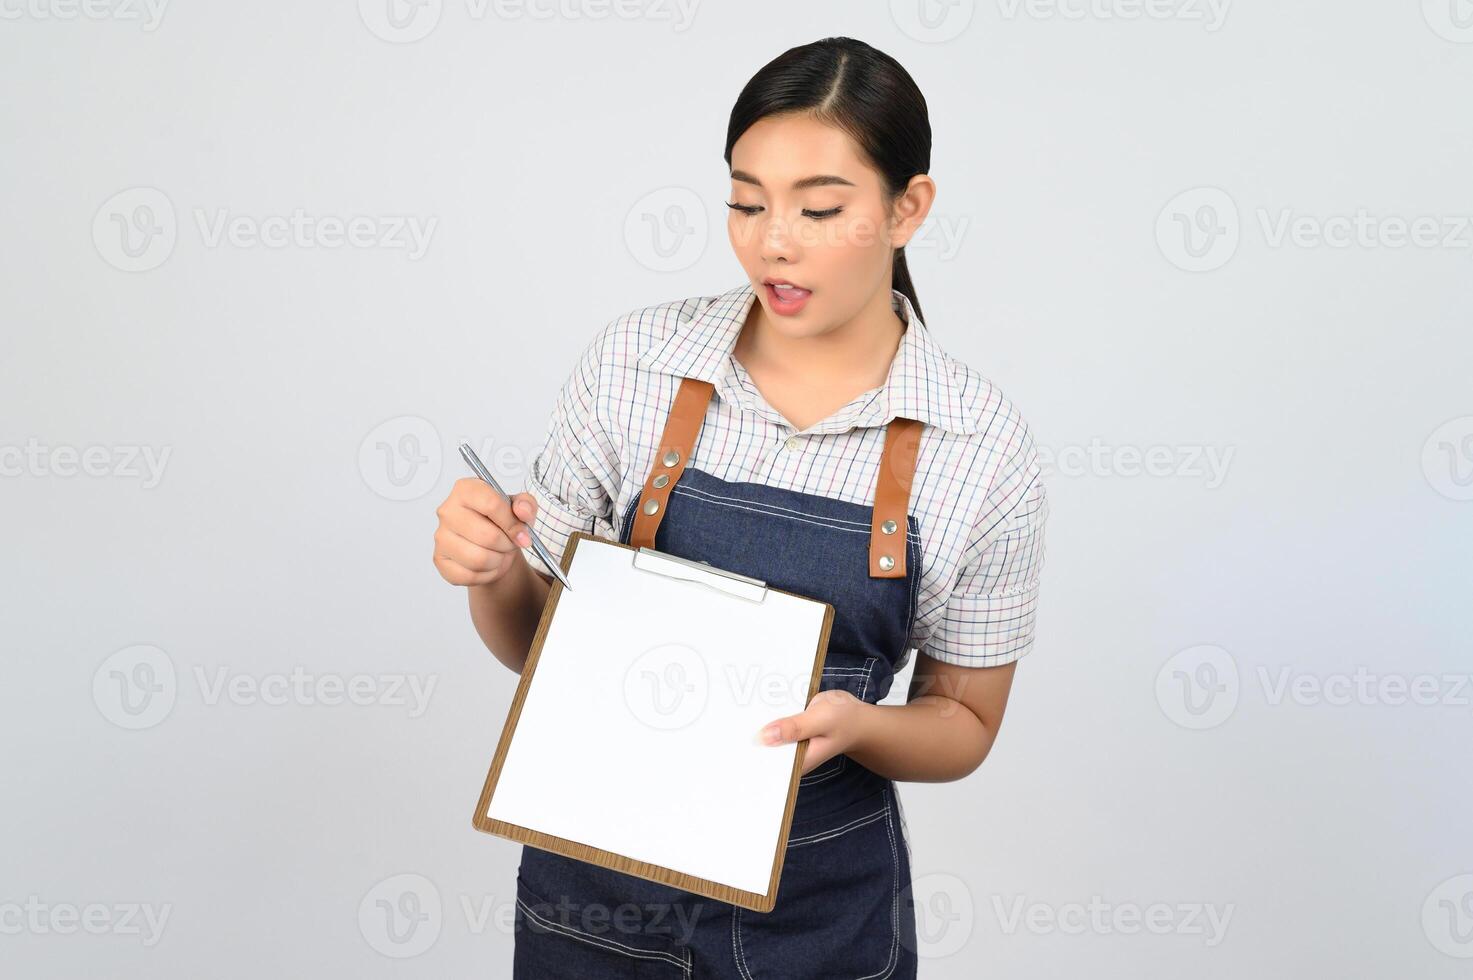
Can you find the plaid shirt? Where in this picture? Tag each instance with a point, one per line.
(978, 497)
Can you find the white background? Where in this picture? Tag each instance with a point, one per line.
(1106, 246)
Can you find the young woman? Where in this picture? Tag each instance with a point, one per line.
(804, 428)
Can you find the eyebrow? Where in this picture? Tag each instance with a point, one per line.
(819, 180)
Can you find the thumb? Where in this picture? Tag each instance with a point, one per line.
(793, 728)
(524, 505)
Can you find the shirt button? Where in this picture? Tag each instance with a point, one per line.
(793, 442)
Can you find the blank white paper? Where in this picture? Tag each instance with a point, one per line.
(638, 734)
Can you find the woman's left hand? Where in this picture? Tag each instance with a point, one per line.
(832, 723)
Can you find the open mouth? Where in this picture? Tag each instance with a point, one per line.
(786, 298)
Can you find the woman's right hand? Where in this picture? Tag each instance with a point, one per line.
(481, 535)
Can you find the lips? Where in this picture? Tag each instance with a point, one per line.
(787, 289)
(784, 298)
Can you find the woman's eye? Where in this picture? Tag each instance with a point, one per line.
(807, 213)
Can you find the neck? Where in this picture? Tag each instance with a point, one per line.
(857, 352)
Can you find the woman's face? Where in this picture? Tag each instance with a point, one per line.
(811, 211)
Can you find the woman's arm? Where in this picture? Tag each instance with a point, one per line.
(943, 731)
(478, 544)
(506, 612)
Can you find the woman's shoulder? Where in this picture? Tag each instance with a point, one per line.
(971, 409)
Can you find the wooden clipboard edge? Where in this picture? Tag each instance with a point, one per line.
(617, 862)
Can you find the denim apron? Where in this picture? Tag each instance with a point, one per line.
(843, 907)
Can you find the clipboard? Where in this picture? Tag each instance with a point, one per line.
(702, 806)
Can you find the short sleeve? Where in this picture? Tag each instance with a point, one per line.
(989, 617)
(575, 475)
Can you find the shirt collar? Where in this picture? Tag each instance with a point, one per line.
(920, 385)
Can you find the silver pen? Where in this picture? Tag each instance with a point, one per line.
(474, 461)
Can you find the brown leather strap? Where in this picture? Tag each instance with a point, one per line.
(888, 527)
(679, 438)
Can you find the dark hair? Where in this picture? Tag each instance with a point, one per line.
(862, 91)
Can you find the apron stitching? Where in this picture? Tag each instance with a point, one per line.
(895, 898)
(915, 586)
(806, 520)
(840, 831)
(736, 943)
(609, 944)
(834, 523)
(693, 491)
(809, 779)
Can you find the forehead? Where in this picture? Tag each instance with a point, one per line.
(778, 150)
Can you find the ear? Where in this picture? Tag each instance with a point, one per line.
(911, 208)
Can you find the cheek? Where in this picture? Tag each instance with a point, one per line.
(850, 239)
(742, 231)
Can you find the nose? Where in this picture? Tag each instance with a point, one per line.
(778, 242)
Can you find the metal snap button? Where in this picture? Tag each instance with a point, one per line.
(888, 527)
(660, 481)
(671, 458)
(886, 563)
(651, 506)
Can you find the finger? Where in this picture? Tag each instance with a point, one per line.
(467, 553)
(480, 497)
(457, 574)
(524, 505)
(476, 528)
(504, 513)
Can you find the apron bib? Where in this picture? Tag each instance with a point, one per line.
(843, 905)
